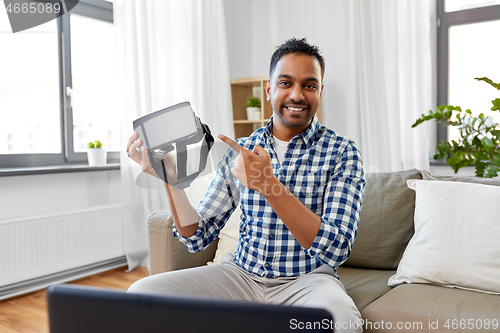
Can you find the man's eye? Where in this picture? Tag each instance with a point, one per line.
(283, 83)
(311, 86)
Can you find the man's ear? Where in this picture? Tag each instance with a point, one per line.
(321, 92)
(268, 90)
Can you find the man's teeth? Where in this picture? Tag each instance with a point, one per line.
(295, 109)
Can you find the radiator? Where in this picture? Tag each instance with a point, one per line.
(36, 247)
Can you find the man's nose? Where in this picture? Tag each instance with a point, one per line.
(296, 93)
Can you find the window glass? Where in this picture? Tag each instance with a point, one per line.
(456, 5)
(93, 67)
(473, 52)
(29, 89)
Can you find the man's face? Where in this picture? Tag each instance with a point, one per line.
(294, 90)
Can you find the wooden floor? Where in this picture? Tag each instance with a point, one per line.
(28, 314)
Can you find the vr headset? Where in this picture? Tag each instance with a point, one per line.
(176, 125)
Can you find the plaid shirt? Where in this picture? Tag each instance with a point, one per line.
(323, 170)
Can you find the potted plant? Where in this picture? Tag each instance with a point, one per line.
(253, 108)
(479, 137)
(96, 154)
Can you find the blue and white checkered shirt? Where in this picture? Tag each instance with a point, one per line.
(323, 170)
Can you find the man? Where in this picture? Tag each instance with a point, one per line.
(300, 187)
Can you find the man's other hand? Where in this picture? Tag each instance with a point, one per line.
(141, 158)
(253, 168)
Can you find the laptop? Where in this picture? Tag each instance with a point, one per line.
(78, 309)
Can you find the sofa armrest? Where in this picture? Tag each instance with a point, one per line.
(167, 253)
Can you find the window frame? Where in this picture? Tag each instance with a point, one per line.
(445, 21)
(96, 9)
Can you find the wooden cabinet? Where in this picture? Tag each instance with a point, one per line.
(240, 90)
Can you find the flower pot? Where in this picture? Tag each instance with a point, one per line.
(96, 156)
(253, 113)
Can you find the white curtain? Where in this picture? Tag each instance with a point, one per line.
(169, 51)
(390, 69)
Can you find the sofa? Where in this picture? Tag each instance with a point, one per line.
(403, 274)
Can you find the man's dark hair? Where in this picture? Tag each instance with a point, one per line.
(295, 45)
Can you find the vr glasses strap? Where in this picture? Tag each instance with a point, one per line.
(205, 148)
(181, 160)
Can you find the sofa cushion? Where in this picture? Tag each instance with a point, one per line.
(228, 237)
(456, 237)
(166, 253)
(364, 285)
(411, 304)
(386, 222)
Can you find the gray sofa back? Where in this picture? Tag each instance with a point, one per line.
(386, 221)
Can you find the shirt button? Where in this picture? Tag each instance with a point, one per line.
(271, 235)
(266, 265)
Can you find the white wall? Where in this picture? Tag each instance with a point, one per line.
(34, 195)
(238, 15)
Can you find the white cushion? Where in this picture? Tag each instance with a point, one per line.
(457, 237)
(228, 237)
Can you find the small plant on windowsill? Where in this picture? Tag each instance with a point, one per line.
(96, 154)
(479, 137)
(95, 144)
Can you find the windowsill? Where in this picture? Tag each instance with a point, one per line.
(438, 163)
(56, 169)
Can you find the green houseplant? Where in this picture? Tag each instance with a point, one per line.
(253, 105)
(95, 144)
(253, 102)
(479, 137)
(96, 155)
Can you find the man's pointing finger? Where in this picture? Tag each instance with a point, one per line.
(233, 144)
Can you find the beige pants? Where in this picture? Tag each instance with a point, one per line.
(319, 289)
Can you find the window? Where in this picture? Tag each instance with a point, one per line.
(467, 48)
(57, 88)
(29, 98)
(10, 143)
(93, 59)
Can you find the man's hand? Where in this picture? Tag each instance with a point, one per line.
(142, 159)
(253, 169)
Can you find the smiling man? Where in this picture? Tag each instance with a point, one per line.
(300, 188)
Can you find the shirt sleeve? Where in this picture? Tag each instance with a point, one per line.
(341, 209)
(216, 206)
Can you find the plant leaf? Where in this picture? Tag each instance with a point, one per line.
(496, 104)
(485, 79)
(492, 171)
(478, 143)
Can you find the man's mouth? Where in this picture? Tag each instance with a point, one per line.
(295, 109)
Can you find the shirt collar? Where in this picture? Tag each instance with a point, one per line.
(308, 136)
